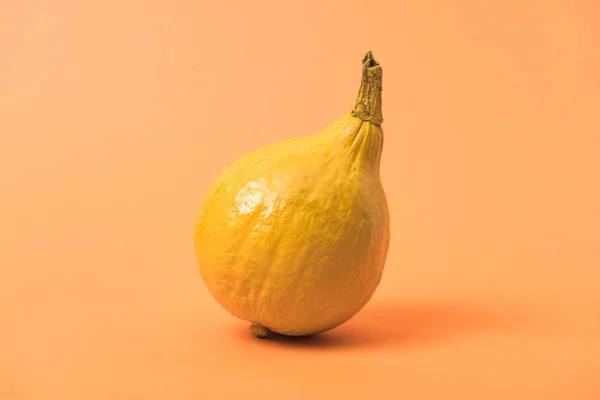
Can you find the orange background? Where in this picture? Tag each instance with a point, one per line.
(116, 116)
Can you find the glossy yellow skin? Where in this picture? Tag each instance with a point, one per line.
(294, 236)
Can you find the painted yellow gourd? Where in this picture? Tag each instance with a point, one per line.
(293, 237)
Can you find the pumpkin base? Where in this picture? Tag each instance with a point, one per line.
(260, 331)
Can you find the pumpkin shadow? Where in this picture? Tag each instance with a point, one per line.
(385, 325)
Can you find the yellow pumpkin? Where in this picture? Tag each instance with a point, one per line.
(293, 237)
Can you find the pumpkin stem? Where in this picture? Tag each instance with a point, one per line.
(260, 331)
(368, 102)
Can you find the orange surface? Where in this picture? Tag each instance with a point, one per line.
(116, 116)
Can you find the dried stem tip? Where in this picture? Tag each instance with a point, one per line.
(368, 102)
